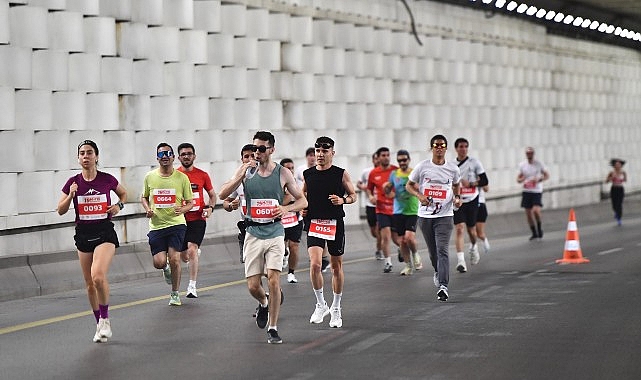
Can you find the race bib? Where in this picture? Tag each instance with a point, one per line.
(262, 210)
(197, 201)
(92, 207)
(289, 220)
(437, 192)
(164, 198)
(468, 190)
(530, 184)
(243, 205)
(323, 228)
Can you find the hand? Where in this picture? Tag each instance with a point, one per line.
(207, 212)
(149, 213)
(113, 209)
(73, 189)
(458, 202)
(234, 204)
(425, 201)
(178, 210)
(278, 211)
(336, 200)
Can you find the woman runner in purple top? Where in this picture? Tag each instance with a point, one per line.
(95, 237)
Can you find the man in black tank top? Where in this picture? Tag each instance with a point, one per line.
(328, 188)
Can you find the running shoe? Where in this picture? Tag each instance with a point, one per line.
(174, 299)
(475, 257)
(166, 272)
(486, 245)
(442, 295)
(320, 312)
(418, 265)
(436, 282)
(335, 318)
(291, 278)
(191, 292)
(272, 337)
(460, 266)
(105, 328)
(261, 316)
(407, 271)
(324, 265)
(379, 255)
(387, 268)
(96, 337)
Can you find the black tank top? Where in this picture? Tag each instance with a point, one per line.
(320, 185)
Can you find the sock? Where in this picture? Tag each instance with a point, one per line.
(104, 311)
(320, 298)
(460, 256)
(534, 233)
(336, 303)
(272, 328)
(96, 313)
(538, 227)
(290, 271)
(192, 283)
(388, 260)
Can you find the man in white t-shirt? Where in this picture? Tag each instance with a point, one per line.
(435, 182)
(531, 175)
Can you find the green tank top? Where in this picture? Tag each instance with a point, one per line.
(262, 194)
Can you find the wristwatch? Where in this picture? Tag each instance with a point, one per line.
(121, 205)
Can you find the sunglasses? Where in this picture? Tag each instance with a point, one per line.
(186, 154)
(164, 153)
(260, 148)
(439, 145)
(323, 145)
(402, 160)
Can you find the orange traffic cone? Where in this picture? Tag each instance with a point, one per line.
(572, 253)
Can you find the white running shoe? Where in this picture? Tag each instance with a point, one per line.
(486, 245)
(105, 328)
(442, 294)
(461, 266)
(192, 292)
(166, 272)
(335, 320)
(320, 313)
(418, 265)
(475, 256)
(96, 337)
(291, 278)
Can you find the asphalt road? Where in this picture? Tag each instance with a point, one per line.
(515, 315)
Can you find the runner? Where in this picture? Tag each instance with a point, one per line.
(532, 173)
(435, 182)
(472, 177)
(384, 203)
(166, 197)
(197, 216)
(481, 219)
(264, 183)
(328, 188)
(370, 208)
(95, 237)
(293, 225)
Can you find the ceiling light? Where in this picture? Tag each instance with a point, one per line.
(617, 31)
(568, 19)
(512, 5)
(541, 13)
(610, 29)
(522, 8)
(603, 27)
(559, 17)
(550, 15)
(586, 23)
(594, 25)
(577, 21)
(499, 3)
(487, 1)
(531, 11)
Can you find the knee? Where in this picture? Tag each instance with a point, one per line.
(98, 279)
(315, 267)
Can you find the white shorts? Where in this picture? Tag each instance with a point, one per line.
(263, 254)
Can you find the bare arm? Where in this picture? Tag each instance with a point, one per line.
(121, 192)
(350, 192)
(289, 184)
(232, 184)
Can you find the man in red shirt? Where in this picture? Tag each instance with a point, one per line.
(196, 217)
(384, 202)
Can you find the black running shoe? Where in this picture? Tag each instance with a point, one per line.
(261, 316)
(272, 337)
(324, 265)
(442, 295)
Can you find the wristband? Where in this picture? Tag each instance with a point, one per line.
(121, 205)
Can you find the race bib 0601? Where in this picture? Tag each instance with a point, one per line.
(262, 210)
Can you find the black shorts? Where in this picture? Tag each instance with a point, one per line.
(89, 236)
(467, 213)
(294, 233)
(161, 240)
(384, 220)
(370, 212)
(482, 214)
(402, 223)
(529, 200)
(195, 233)
(335, 247)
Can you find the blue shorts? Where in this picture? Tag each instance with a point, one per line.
(161, 240)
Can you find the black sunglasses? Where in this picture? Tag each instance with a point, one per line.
(402, 160)
(260, 148)
(323, 145)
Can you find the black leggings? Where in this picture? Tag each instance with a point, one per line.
(616, 195)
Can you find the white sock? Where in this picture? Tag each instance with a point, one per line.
(192, 283)
(320, 298)
(336, 303)
(272, 328)
(460, 256)
(388, 260)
